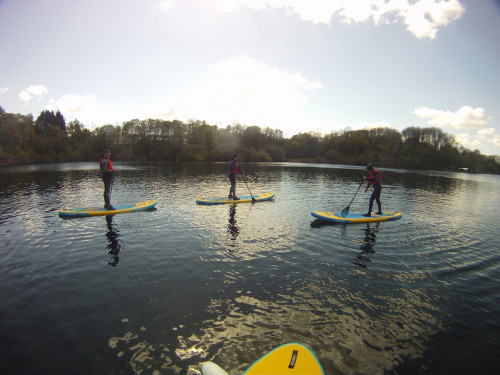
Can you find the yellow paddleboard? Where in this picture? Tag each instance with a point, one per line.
(100, 211)
(351, 218)
(243, 199)
(288, 359)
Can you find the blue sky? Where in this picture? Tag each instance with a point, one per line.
(294, 65)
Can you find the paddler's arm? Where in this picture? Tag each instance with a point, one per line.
(233, 167)
(105, 167)
(367, 186)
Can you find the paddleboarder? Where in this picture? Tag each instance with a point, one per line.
(233, 171)
(108, 177)
(375, 180)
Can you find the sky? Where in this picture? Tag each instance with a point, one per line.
(293, 65)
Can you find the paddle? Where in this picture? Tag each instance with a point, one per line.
(112, 182)
(345, 211)
(242, 175)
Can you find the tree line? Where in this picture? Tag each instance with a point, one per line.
(49, 139)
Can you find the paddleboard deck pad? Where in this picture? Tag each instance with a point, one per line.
(351, 218)
(292, 359)
(243, 199)
(101, 211)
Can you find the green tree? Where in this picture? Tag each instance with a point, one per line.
(49, 139)
(46, 119)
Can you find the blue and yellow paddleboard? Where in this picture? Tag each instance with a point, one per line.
(101, 211)
(351, 218)
(288, 359)
(243, 199)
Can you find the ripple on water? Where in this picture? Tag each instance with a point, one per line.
(185, 283)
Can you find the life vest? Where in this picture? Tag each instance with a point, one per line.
(110, 166)
(234, 170)
(372, 178)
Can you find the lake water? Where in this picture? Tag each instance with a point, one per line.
(159, 292)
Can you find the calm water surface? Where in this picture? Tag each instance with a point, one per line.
(159, 292)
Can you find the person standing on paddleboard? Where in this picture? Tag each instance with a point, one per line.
(108, 177)
(233, 171)
(374, 179)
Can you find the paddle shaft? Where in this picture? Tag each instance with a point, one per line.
(361, 183)
(346, 210)
(244, 179)
(112, 182)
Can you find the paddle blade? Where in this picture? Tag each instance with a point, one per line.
(345, 211)
(254, 200)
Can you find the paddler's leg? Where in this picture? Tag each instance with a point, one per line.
(106, 196)
(107, 193)
(377, 197)
(234, 190)
(231, 189)
(372, 198)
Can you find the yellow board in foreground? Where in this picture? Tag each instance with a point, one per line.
(288, 359)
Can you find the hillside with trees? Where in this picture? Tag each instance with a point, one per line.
(49, 139)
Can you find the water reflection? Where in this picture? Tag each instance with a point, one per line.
(233, 230)
(114, 243)
(367, 242)
(287, 282)
(367, 245)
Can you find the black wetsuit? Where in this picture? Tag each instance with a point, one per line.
(375, 179)
(233, 171)
(108, 174)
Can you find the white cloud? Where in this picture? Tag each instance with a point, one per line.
(248, 91)
(465, 118)
(421, 17)
(90, 112)
(424, 17)
(85, 109)
(166, 4)
(466, 140)
(75, 103)
(495, 140)
(315, 11)
(3, 90)
(31, 91)
(362, 11)
(240, 89)
(489, 136)
(227, 5)
(483, 135)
